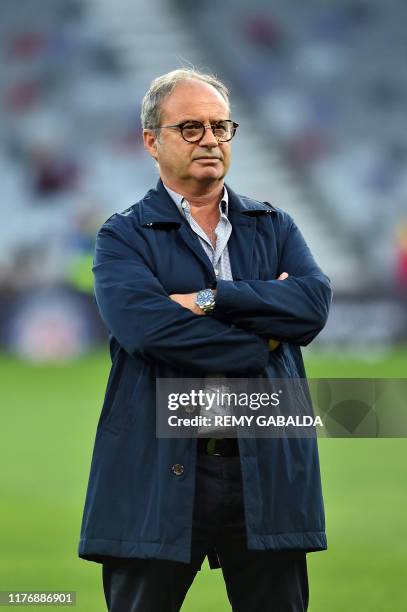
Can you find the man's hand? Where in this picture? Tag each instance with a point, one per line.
(273, 344)
(187, 300)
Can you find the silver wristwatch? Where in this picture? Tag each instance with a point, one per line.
(205, 299)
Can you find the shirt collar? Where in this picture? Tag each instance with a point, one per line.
(158, 207)
(183, 205)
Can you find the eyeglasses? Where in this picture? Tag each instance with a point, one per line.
(193, 131)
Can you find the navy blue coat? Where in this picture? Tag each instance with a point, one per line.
(136, 505)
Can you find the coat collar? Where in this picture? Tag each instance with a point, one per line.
(157, 207)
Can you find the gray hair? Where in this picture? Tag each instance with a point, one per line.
(163, 85)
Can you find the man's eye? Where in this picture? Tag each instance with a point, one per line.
(220, 127)
(192, 126)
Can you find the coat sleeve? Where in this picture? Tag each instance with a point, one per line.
(294, 310)
(140, 315)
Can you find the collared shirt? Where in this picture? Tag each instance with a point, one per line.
(218, 255)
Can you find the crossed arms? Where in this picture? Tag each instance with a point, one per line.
(188, 300)
(146, 321)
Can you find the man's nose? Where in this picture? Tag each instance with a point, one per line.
(208, 139)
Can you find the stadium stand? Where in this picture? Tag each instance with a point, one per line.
(320, 122)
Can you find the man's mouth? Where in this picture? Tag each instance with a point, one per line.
(196, 158)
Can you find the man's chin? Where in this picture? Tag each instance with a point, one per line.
(209, 175)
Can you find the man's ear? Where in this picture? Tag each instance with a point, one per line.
(150, 142)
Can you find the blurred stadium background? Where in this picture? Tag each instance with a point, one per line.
(320, 90)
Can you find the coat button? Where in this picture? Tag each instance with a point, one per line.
(177, 469)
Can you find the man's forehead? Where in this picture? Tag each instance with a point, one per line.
(190, 98)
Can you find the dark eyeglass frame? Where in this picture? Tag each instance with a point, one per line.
(212, 126)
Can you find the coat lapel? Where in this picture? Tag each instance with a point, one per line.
(192, 242)
(160, 211)
(241, 245)
(243, 213)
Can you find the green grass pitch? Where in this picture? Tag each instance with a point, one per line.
(49, 415)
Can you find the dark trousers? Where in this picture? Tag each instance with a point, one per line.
(256, 581)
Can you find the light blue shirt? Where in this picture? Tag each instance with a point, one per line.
(218, 255)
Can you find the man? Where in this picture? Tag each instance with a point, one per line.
(195, 280)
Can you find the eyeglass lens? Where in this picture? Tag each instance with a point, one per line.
(222, 130)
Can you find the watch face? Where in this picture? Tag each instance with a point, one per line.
(205, 298)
